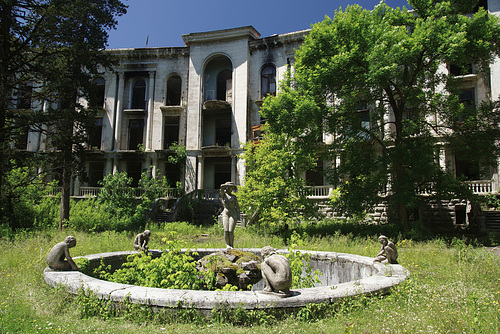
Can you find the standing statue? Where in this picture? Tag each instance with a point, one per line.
(388, 252)
(276, 272)
(231, 213)
(60, 252)
(141, 241)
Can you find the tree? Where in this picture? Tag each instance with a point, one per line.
(59, 45)
(274, 192)
(379, 87)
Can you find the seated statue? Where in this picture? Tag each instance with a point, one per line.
(60, 252)
(276, 271)
(141, 241)
(388, 252)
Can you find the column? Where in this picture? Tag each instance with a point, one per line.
(149, 124)
(119, 110)
(201, 167)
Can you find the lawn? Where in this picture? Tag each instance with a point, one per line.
(454, 286)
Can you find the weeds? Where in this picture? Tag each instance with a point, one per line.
(454, 287)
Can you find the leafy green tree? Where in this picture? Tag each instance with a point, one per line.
(375, 81)
(274, 193)
(56, 46)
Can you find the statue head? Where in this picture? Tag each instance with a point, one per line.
(228, 187)
(70, 241)
(382, 239)
(147, 233)
(266, 251)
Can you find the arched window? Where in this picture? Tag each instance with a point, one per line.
(174, 91)
(139, 94)
(97, 93)
(268, 80)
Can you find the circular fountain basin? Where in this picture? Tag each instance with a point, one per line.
(344, 275)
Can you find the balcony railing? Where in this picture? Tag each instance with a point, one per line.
(95, 191)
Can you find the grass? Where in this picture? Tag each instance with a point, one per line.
(453, 288)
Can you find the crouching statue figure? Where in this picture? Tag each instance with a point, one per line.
(388, 252)
(276, 272)
(60, 252)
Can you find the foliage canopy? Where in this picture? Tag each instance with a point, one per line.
(376, 82)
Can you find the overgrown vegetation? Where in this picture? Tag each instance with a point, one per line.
(454, 285)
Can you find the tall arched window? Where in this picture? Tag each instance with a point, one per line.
(174, 90)
(268, 80)
(139, 94)
(97, 93)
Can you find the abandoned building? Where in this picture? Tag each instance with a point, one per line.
(206, 96)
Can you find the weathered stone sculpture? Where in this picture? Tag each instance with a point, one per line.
(388, 252)
(141, 241)
(276, 272)
(231, 213)
(59, 258)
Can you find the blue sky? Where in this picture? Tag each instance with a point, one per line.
(164, 21)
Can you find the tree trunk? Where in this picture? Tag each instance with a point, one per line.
(65, 195)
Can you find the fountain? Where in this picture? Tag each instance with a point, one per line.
(344, 275)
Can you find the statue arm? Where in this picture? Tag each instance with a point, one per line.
(69, 259)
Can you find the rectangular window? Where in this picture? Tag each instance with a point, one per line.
(136, 134)
(223, 132)
(95, 135)
(134, 170)
(96, 173)
(171, 131)
(172, 173)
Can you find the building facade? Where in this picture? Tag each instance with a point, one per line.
(206, 96)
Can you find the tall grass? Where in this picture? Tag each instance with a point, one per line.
(453, 288)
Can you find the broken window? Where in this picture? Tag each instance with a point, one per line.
(174, 91)
(268, 80)
(136, 134)
(139, 94)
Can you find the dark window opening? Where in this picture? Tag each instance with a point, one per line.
(314, 177)
(95, 135)
(466, 169)
(139, 94)
(134, 170)
(96, 173)
(268, 81)
(172, 173)
(223, 132)
(174, 91)
(25, 96)
(460, 214)
(222, 174)
(457, 70)
(224, 83)
(364, 119)
(97, 93)
(481, 4)
(136, 134)
(171, 131)
(21, 138)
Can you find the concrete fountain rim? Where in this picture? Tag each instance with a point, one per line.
(385, 277)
